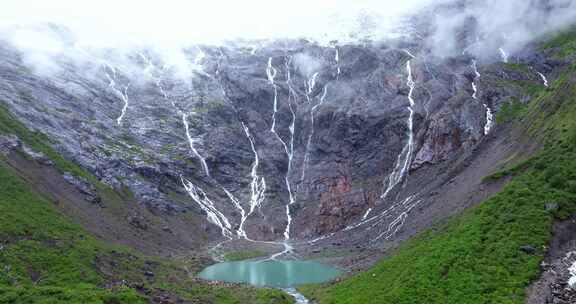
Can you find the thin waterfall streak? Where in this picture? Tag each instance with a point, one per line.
(271, 74)
(191, 142)
(124, 96)
(270, 71)
(258, 184)
(287, 249)
(409, 53)
(273, 127)
(310, 84)
(320, 238)
(376, 220)
(288, 173)
(405, 157)
(111, 81)
(291, 91)
(401, 208)
(122, 93)
(240, 231)
(476, 78)
(489, 119)
(488, 111)
(399, 221)
(213, 215)
(311, 135)
(503, 55)
(337, 59)
(111, 67)
(544, 79)
(365, 216)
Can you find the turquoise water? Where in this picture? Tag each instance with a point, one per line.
(270, 273)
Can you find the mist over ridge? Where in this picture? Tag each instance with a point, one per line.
(47, 34)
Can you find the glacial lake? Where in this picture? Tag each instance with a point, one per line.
(280, 274)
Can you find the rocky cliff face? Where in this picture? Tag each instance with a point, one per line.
(281, 140)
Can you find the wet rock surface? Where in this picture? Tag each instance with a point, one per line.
(328, 130)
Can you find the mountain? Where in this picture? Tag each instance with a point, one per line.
(492, 252)
(431, 177)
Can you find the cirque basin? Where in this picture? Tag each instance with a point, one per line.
(270, 273)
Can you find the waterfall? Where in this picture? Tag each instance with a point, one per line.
(544, 79)
(405, 157)
(213, 214)
(476, 78)
(258, 184)
(489, 116)
(504, 55)
(311, 135)
(191, 142)
(122, 93)
(337, 59)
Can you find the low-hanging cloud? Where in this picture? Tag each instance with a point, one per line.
(491, 25)
(110, 23)
(307, 64)
(46, 31)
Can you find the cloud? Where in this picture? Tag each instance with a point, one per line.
(307, 64)
(46, 31)
(113, 23)
(494, 24)
(86, 31)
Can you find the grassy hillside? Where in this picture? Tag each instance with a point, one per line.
(477, 257)
(45, 258)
